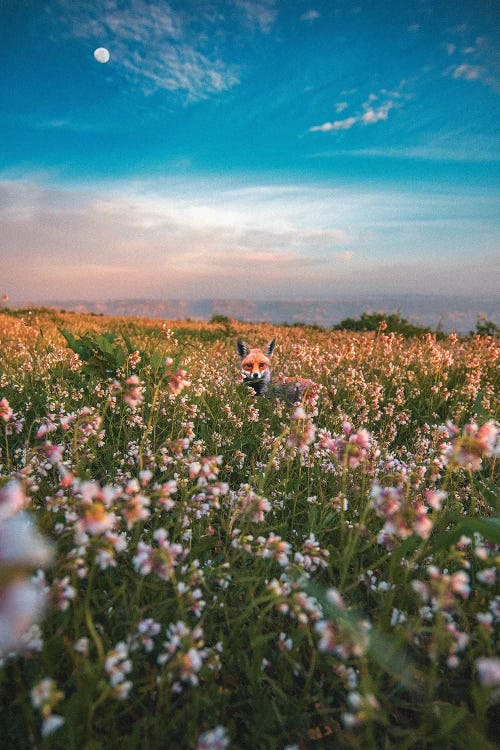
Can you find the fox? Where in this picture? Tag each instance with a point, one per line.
(256, 365)
(257, 374)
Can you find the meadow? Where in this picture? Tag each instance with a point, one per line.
(184, 565)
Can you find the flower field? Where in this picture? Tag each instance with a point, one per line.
(186, 565)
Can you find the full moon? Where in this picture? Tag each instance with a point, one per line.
(101, 54)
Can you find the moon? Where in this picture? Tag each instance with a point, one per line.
(101, 54)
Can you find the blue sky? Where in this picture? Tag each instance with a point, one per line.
(249, 148)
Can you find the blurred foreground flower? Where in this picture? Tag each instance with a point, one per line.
(475, 443)
(21, 550)
(488, 671)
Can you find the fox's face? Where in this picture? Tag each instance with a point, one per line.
(255, 363)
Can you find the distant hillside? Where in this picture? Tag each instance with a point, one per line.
(447, 313)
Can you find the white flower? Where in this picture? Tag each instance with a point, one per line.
(51, 724)
(214, 739)
(488, 670)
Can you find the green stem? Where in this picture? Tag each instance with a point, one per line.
(89, 621)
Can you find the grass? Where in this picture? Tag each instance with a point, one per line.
(227, 572)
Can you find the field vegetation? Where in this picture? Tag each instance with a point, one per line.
(184, 565)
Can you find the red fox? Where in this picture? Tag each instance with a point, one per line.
(256, 367)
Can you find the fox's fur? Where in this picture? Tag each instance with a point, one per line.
(256, 369)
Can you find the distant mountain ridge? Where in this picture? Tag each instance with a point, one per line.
(448, 313)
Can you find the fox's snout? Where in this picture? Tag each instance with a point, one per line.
(255, 367)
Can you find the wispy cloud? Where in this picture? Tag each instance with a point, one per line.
(173, 238)
(375, 109)
(184, 235)
(260, 14)
(479, 58)
(310, 15)
(159, 48)
(476, 153)
(467, 72)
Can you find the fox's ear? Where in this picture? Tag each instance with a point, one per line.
(242, 348)
(270, 347)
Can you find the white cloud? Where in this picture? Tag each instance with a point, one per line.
(372, 115)
(337, 125)
(468, 72)
(369, 116)
(310, 15)
(480, 60)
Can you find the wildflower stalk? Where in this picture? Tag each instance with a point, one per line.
(107, 691)
(149, 423)
(352, 541)
(263, 476)
(8, 464)
(88, 618)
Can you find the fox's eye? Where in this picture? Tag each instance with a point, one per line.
(248, 366)
(262, 365)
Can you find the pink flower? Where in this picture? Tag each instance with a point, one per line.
(460, 584)
(96, 520)
(434, 498)
(474, 444)
(11, 499)
(54, 453)
(137, 510)
(423, 526)
(178, 381)
(6, 413)
(133, 392)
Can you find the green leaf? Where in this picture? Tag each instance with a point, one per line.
(157, 361)
(490, 494)
(489, 528)
(449, 715)
(407, 546)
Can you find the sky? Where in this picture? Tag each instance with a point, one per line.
(262, 149)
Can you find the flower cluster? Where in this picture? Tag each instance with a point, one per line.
(351, 449)
(160, 560)
(185, 656)
(289, 599)
(117, 666)
(177, 380)
(44, 697)
(132, 391)
(402, 517)
(312, 556)
(246, 502)
(466, 450)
